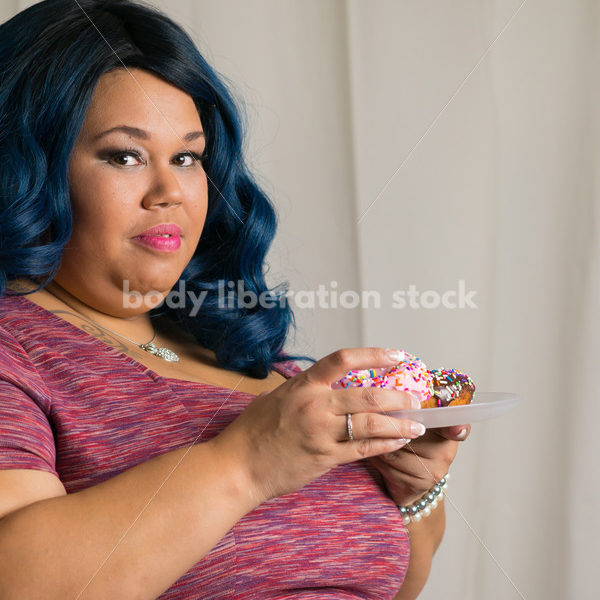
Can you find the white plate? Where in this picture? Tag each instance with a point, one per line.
(485, 405)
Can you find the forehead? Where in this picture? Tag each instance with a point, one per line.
(140, 99)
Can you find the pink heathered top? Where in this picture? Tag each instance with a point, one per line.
(76, 407)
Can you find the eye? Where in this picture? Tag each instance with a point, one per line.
(115, 156)
(196, 158)
(119, 157)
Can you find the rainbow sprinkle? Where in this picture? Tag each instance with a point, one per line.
(409, 375)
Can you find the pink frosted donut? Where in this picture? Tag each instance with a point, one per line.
(409, 375)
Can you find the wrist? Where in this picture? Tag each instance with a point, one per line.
(430, 531)
(426, 503)
(237, 470)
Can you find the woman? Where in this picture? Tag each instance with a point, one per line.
(153, 448)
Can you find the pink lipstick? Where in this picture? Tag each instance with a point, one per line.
(165, 237)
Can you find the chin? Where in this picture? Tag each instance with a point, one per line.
(160, 285)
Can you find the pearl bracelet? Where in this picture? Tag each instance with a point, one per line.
(428, 501)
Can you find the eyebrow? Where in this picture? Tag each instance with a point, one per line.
(144, 135)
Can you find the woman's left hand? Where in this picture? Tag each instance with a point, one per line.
(416, 467)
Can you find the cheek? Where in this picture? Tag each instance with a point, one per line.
(201, 208)
(198, 205)
(197, 188)
(97, 220)
(100, 206)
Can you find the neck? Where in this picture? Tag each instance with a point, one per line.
(138, 327)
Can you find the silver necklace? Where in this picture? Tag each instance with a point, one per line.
(149, 347)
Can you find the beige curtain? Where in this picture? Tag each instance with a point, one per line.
(472, 126)
(421, 149)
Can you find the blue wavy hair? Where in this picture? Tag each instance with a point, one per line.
(51, 57)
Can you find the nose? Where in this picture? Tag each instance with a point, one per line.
(164, 191)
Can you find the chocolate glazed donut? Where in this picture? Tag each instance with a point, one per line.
(450, 388)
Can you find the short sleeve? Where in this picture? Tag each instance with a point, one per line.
(26, 437)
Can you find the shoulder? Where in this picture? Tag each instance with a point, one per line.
(17, 314)
(15, 321)
(18, 359)
(12, 354)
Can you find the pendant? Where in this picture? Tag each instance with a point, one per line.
(163, 353)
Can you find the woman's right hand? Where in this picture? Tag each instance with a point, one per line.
(296, 433)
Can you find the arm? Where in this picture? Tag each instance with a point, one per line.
(410, 472)
(425, 537)
(53, 547)
(133, 535)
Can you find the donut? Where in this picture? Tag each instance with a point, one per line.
(435, 389)
(450, 388)
(409, 375)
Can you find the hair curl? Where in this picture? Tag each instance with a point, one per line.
(51, 57)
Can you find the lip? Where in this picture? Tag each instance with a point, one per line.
(162, 229)
(154, 237)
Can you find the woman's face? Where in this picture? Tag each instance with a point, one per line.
(123, 183)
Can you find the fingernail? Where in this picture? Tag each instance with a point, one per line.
(462, 435)
(417, 428)
(414, 401)
(395, 355)
(400, 443)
